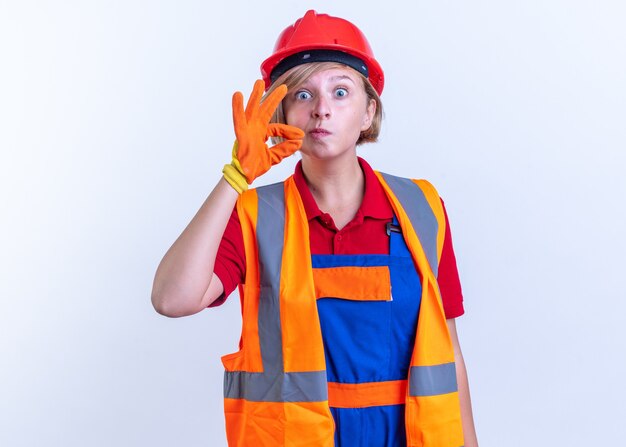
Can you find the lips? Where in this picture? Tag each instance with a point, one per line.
(319, 132)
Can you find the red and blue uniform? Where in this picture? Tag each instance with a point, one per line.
(371, 341)
(364, 341)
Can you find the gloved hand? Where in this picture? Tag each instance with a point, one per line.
(251, 156)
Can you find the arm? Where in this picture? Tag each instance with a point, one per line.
(467, 418)
(184, 283)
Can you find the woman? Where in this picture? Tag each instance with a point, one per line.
(346, 339)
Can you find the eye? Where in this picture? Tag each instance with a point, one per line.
(341, 92)
(303, 95)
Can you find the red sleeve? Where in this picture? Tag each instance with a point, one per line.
(448, 276)
(230, 263)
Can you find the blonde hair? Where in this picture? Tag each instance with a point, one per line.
(297, 75)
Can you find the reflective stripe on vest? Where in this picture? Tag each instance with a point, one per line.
(432, 380)
(435, 379)
(424, 222)
(275, 386)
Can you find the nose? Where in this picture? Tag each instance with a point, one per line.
(321, 109)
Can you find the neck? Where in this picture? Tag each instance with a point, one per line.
(338, 185)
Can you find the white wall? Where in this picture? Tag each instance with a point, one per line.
(115, 123)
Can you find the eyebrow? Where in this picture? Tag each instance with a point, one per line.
(341, 77)
(333, 79)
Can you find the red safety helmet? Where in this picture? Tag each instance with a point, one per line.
(320, 37)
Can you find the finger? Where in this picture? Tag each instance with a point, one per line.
(284, 150)
(255, 98)
(271, 102)
(238, 112)
(285, 131)
(239, 118)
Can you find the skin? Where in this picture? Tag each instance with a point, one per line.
(467, 417)
(331, 107)
(184, 283)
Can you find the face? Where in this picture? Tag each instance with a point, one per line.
(332, 108)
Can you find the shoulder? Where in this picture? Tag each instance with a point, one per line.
(413, 193)
(253, 199)
(252, 193)
(408, 184)
(259, 190)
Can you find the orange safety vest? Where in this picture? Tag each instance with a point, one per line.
(275, 387)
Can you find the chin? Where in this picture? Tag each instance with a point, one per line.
(315, 149)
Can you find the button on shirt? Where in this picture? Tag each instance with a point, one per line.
(364, 234)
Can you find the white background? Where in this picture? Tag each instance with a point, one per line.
(114, 126)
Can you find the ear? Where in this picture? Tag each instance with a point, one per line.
(369, 114)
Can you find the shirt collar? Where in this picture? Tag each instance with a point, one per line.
(375, 203)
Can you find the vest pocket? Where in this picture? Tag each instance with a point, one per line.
(248, 358)
(355, 309)
(232, 361)
(372, 283)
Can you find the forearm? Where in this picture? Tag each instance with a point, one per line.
(467, 417)
(184, 274)
(184, 282)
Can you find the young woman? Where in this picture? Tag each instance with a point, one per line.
(347, 276)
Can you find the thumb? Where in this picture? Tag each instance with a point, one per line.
(283, 150)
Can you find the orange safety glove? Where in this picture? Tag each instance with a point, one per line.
(251, 156)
